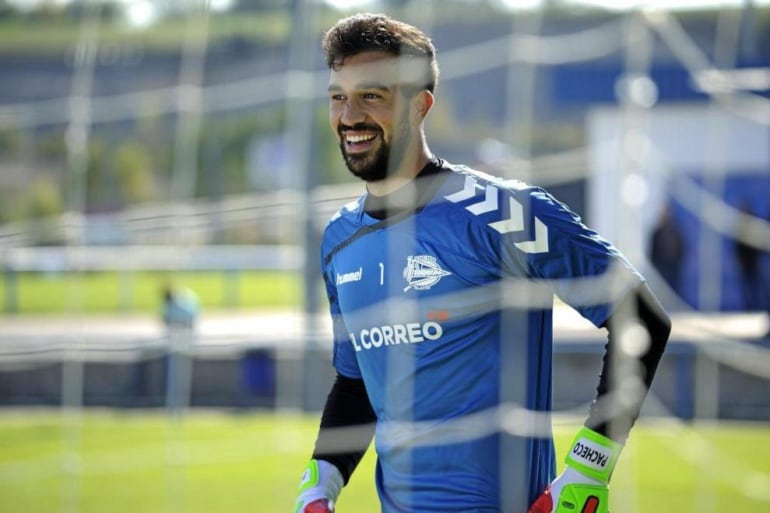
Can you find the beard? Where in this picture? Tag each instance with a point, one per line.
(382, 162)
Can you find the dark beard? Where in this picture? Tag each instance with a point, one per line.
(367, 167)
(376, 167)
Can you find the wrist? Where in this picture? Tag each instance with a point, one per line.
(321, 480)
(593, 455)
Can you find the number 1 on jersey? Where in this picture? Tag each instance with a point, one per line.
(382, 273)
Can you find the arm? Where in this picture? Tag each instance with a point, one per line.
(349, 412)
(595, 449)
(347, 429)
(348, 420)
(588, 273)
(612, 414)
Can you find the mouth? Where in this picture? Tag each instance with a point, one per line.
(359, 141)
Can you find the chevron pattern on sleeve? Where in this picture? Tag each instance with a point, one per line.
(513, 222)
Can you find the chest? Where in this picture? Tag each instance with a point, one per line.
(410, 272)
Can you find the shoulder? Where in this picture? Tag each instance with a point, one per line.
(501, 204)
(347, 210)
(472, 185)
(518, 214)
(343, 223)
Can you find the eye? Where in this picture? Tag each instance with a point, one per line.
(371, 96)
(337, 97)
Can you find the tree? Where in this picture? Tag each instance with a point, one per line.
(134, 172)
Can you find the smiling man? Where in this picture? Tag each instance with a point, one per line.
(440, 282)
(377, 102)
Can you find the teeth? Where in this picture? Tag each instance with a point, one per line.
(359, 138)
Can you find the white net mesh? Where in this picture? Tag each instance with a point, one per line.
(629, 113)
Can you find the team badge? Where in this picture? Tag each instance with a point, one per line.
(422, 272)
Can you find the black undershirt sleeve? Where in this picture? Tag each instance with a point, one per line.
(347, 426)
(627, 374)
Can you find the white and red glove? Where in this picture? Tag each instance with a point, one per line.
(319, 488)
(582, 487)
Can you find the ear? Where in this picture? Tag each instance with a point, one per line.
(422, 104)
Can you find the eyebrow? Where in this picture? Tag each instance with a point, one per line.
(379, 86)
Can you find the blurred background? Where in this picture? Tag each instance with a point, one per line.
(166, 170)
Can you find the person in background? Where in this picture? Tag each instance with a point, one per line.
(180, 314)
(752, 261)
(667, 248)
(180, 307)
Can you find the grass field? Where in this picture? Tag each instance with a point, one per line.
(128, 461)
(111, 292)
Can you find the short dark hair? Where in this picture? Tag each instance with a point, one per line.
(379, 33)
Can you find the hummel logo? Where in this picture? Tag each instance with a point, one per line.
(348, 277)
(422, 272)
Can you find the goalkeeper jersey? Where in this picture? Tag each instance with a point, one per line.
(444, 310)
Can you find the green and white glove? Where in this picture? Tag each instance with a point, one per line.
(319, 488)
(582, 487)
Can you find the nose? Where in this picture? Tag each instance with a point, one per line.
(352, 113)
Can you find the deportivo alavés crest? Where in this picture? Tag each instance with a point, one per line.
(422, 272)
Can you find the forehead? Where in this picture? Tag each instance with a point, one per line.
(377, 68)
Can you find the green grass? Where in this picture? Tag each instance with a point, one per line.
(128, 461)
(111, 292)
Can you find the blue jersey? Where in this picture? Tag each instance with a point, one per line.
(445, 312)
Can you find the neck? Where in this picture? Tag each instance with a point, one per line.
(406, 172)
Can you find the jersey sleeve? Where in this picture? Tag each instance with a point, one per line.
(583, 269)
(343, 354)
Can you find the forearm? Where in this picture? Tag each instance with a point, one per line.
(629, 363)
(638, 333)
(347, 426)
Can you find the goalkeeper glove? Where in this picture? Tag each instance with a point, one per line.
(582, 487)
(319, 488)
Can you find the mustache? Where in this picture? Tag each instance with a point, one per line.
(358, 127)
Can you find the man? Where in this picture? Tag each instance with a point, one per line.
(667, 248)
(440, 281)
